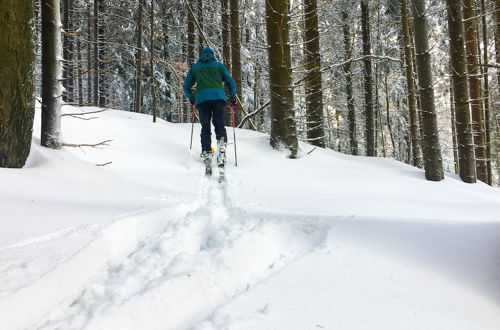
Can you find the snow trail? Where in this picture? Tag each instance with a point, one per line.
(178, 277)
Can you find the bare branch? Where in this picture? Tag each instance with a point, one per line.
(376, 57)
(95, 145)
(83, 113)
(103, 164)
(251, 114)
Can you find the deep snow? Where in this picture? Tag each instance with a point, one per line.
(325, 241)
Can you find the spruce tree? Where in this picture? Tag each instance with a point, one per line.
(475, 90)
(410, 86)
(368, 80)
(236, 54)
(17, 63)
(51, 74)
(458, 60)
(351, 115)
(138, 58)
(283, 130)
(433, 162)
(314, 87)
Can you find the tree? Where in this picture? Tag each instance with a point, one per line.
(236, 53)
(17, 63)
(368, 84)
(226, 47)
(466, 163)
(90, 74)
(51, 74)
(433, 162)
(283, 130)
(152, 57)
(314, 89)
(410, 86)
(486, 92)
(138, 59)
(103, 89)
(476, 97)
(201, 43)
(351, 116)
(97, 44)
(191, 38)
(68, 51)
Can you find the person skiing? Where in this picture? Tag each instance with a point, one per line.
(209, 76)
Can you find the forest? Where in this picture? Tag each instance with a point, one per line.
(413, 80)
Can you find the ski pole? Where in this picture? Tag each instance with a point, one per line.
(234, 135)
(192, 125)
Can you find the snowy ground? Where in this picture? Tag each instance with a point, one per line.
(328, 241)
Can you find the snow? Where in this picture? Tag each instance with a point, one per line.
(324, 241)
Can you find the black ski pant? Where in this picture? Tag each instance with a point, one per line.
(211, 110)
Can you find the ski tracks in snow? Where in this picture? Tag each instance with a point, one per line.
(200, 261)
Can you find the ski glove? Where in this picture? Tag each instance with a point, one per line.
(233, 102)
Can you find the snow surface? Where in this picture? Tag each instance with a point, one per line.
(326, 241)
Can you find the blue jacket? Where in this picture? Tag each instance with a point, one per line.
(209, 76)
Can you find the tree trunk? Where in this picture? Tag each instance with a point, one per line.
(389, 125)
(102, 54)
(410, 85)
(378, 121)
(167, 16)
(79, 70)
(495, 113)
(460, 90)
(51, 74)
(138, 59)
(283, 130)
(433, 160)
(368, 84)
(190, 56)
(486, 93)
(226, 49)
(79, 59)
(89, 53)
(313, 82)
(454, 132)
(68, 52)
(476, 103)
(96, 53)
(236, 54)
(351, 116)
(152, 58)
(226, 46)
(17, 82)
(200, 23)
(379, 131)
(497, 38)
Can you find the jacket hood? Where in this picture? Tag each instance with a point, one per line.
(207, 55)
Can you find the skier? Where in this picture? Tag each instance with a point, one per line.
(209, 75)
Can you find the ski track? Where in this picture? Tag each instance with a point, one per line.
(180, 276)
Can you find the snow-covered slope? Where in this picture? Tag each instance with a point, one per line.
(325, 241)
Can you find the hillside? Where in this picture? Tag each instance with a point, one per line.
(324, 241)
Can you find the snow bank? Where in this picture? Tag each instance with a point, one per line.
(378, 274)
(63, 283)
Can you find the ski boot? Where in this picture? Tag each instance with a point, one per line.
(206, 156)
(221, 153)
(221, 158)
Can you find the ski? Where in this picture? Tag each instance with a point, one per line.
(221, 174)
(208, 170)
(221, 159)
(207, 160)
